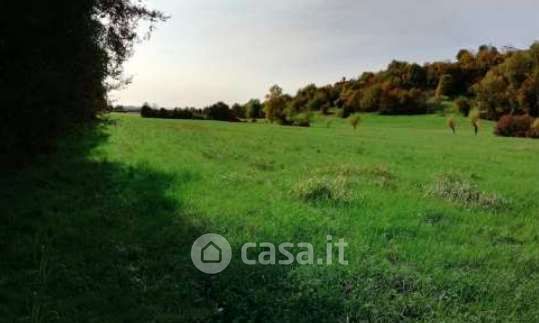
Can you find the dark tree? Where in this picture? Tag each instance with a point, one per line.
(220, 111)
(238, 110)
(253, 109)
(55, 58)
(147, 112)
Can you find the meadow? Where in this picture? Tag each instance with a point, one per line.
(440, 227)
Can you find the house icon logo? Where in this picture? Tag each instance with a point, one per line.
(211, 253)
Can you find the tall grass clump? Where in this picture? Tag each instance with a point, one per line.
(354, 121)
(378, 175)
(381, 176)
(452, 124)
(458, 189)
(474, 118)
(323, 189)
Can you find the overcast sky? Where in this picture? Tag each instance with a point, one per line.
(233, 50)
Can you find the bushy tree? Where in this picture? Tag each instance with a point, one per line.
(370, 100)
(55, 59)
(414, 76)
(238, 110)
(351, 99)
(318, 102)
(275, 105)
(512, 86)
(465, 58)
(492, 95)
(253, 109)
(311, 98)
(487, 57)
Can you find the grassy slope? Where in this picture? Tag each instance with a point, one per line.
(107, 237)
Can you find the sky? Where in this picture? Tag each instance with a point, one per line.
(234, 50)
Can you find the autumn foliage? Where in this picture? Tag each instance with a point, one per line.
(516, 126)
(496, 82)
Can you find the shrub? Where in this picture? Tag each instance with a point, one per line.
(345, 112)
(455, 188)
(302, 120)
(325, 109)
(354, 121)
(514, 126)
(463, 105)
(323, 189)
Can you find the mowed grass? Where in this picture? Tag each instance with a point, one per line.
(102, 231)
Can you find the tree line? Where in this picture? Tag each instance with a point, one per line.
(219, 111)
(492, 81)
(496, 82)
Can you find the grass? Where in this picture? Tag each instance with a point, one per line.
(458, 189)
(102, 230)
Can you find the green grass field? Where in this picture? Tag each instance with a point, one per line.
(102, 231)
